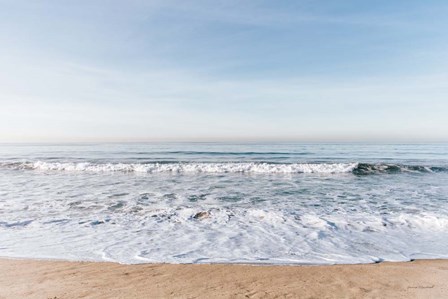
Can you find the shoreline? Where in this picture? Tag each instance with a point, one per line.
(32, 278)
(261, 264)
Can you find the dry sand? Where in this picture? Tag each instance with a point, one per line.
(57, 279)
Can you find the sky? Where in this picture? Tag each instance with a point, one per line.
(342, 70)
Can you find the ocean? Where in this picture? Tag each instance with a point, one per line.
(257, 203)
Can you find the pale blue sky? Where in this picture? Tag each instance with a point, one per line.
(223, 70)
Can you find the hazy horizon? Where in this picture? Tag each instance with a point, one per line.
(198, 71)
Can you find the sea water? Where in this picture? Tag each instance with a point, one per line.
(224, 203)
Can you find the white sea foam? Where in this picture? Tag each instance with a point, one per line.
(175, 235)
(188, 167)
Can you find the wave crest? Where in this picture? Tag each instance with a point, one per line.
(188, 167)
(227, 167)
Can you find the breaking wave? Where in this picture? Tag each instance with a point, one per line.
(366, 168)
(228, 167)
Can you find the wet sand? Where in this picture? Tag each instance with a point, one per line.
(59, 279)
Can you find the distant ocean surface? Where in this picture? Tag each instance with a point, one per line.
(224, 203)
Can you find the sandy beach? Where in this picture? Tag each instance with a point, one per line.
(59, 279)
